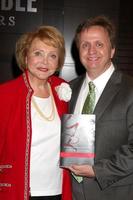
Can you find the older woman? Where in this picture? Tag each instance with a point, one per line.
(30, 111)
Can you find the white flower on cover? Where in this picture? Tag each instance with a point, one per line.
(64, 92)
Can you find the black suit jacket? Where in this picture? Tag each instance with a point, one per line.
(113, 143)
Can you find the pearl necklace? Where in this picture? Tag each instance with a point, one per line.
(38, 110)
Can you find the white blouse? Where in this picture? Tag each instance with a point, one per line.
(45, 174)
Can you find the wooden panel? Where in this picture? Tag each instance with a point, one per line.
(125, 37)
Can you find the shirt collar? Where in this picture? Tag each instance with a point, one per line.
(101, 80)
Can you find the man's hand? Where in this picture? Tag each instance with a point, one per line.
(82, 170)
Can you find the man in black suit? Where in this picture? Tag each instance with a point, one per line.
(111, 177)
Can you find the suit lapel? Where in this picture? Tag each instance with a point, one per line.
(75, 92)
(111, 89)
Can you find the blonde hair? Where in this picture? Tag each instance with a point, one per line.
(48, 34)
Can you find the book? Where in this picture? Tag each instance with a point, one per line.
(77, 139)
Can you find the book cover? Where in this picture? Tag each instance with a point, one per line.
(77, 139)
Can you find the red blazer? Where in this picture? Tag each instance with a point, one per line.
(15, 138)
